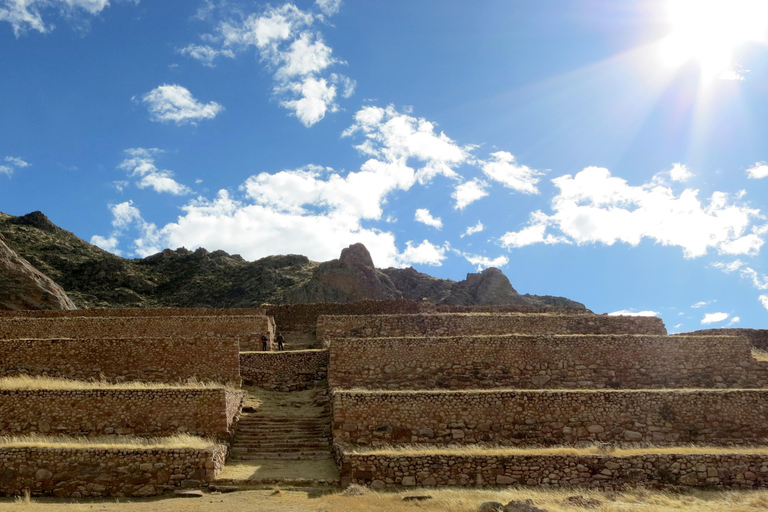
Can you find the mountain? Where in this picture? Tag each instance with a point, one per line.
(95, 278)
(22, 286)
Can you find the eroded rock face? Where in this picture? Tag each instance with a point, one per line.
(350, 278)
(22, 286)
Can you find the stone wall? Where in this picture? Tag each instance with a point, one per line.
(303, 317)
(476, 324)
(506, 417)
(726, 471)
(97, 472)
(142, 359)
(148, 312)
(210, 412)
(284, 371)
(758, 337)
(545, 361)
(246, 329)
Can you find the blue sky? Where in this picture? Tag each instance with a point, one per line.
(610, 152)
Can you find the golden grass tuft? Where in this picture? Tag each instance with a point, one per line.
(108, 442)
(760, 355)
(619, 451)
(27, 382)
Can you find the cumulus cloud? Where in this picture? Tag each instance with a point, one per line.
(398, 138)
(758, 171)
(469, 192)
(292, 49)
(140, 163)
(108, 244)
(126, 216)
(504, 169)
(734, 320)
(423, 216)
(174, 103)
(680, 172)
(711, 318)
(763, 300)
(595, 207)
(483, 262)
(12, 163)
(206, 53)
(425, 253)
(632, 312)
(471, 230)
(26, 15)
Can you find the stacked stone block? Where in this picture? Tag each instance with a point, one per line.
(122, 346)
(494, 382)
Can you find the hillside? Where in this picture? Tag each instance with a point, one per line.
(95, 278)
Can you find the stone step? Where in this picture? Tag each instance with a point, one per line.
(239, 450)
(296, 441)
(308, 455)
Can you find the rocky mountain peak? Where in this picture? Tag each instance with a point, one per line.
(356, 255)
(39, 220)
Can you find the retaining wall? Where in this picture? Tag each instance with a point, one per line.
(727, 471)
(476, 324)
(507, 417)
(139, 359)
(758, 337)
(284, 371)
(245, 329)
(145, 412)
(129, 312)
(97, 472)
(545, 361)
(303, 317)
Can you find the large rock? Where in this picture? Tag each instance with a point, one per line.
(350, 278)
(22, 286)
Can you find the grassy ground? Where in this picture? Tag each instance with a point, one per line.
(112, 442)
(280, 404)
(449, 500)
(27, 382)
(287, 469)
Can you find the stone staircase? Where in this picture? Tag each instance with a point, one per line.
(261, 436)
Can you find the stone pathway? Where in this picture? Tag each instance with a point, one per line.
(282, 438)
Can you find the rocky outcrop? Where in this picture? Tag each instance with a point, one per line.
(350, 278)
(22, 286)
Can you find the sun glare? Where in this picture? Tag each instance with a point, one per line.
(710, 31)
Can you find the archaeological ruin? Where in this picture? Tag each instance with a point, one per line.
(389, 394)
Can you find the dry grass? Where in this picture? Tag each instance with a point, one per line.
(255, 470)
(27, 382)
(444, 500)
(115, 442)
(624, 451)
(364, 391)
(281, 404)
(760, 355)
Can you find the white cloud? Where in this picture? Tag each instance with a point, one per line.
(176, 104)
(423, 216)
(425, 253)
(759, 281)
(471, 230)
(702, 303)
(763, 300)
(534, 233)
(504, 169)
(734, 320)
(594, 206)
(711, 318)
(14, 163)
(738, 75)
(25, 15)
(292, 49)
(205, 53)
(680, 172)
(483, 262)
(396, 137)
(329, 7)
(630, 312)
(140, 163)
(469, 192)
(108, 244)
(124, 214)
(758, 171)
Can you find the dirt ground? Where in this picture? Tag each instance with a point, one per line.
(447, 500)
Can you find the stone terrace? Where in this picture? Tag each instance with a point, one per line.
(400, 431)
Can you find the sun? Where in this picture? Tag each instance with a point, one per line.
(710, 31)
